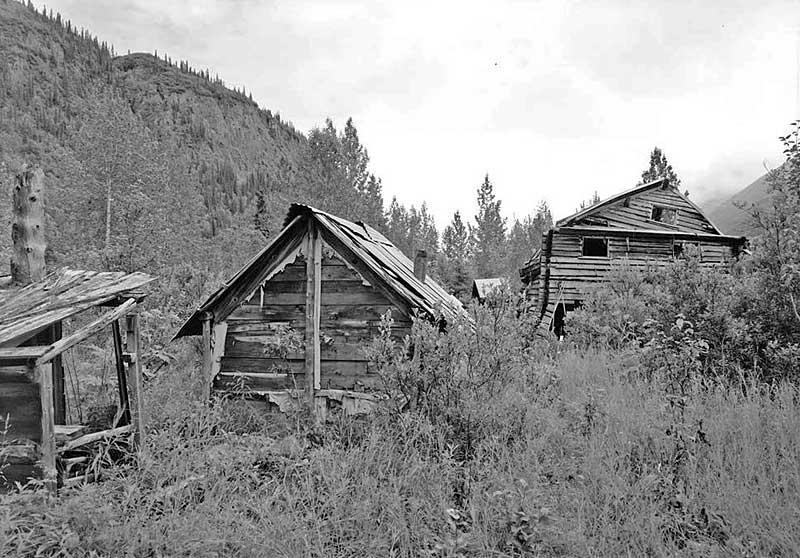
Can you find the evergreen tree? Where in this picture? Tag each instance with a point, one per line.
(489, 233)
(368, 206)
(525, 237)
(591, 201)
(412, 229)
(372, 203)
(660, 168)
(454, 266)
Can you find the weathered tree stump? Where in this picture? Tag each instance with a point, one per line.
(27, 228)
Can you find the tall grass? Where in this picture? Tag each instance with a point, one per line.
(573, 453)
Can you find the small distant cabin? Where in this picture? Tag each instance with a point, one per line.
(293, 324)
(650, 224)
(483, 288)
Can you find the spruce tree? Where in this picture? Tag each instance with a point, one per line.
(659, 168)
(489, 233)
(454, 267)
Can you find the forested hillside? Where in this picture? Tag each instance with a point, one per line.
(57, 80)
(154, 165)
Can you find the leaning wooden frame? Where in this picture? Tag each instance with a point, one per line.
(36, 442)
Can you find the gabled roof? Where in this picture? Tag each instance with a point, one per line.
(660, 183)
(481, 288)
(393, 269)
(61, 294)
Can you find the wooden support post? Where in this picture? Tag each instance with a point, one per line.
(313, 295)
(208, 323)
(132, 346)
(59, 387)
(122, 380)
(43, 375)
(27, 228)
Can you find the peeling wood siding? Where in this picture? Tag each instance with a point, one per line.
(636, 215)
(256, 329)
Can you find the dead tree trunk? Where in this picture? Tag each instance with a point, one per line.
(27, 228)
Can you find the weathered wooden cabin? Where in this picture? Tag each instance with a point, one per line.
(293, 324)
(648, 225)
(35, 439)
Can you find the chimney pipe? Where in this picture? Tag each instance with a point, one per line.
(420, 265)
(27, 228)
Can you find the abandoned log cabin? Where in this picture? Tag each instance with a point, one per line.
(648, 225)
(36, 440)
(293, 324)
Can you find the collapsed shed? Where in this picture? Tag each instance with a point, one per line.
(35, 439)
(648, 225)
(293, 324)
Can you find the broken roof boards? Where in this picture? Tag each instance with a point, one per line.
(32, 388)
(299, 316)
(643, 226)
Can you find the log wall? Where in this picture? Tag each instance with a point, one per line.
(573, 275)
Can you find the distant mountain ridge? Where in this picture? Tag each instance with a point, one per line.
(732, 216)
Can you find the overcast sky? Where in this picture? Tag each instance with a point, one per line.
(555, 100)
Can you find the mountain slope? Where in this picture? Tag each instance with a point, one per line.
(732, 216)
(68, 104)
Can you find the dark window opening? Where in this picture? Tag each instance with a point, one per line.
(595, 247)
(677, 250)
(664, 215)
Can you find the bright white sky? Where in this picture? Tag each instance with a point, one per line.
(555, 100)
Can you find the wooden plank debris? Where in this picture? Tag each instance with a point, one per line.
(87, 439)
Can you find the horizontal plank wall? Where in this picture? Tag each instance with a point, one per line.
(350, 317)
(571, 276)
(264, 338)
